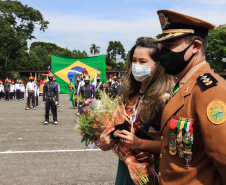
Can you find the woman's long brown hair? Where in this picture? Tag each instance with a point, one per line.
(157, 85)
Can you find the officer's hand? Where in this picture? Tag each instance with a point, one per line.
(56, 103)
(44, 103)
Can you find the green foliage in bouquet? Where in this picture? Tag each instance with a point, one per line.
(96, 116)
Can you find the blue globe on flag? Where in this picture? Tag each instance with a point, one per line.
(77, 70)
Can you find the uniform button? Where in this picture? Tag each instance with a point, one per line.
(160, 155)
(160, 175)
(162, 138)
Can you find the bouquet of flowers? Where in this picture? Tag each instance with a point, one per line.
(97, 115)
(107, 113)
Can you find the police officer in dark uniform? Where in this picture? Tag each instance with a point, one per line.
(99, 87)
(50, 99)
(117, 87)
(86, 92)
(109, 89)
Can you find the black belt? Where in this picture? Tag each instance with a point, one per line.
(31, 91)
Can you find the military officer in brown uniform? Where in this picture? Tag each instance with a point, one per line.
(193, 125)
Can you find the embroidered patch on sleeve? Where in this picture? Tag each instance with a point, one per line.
(216, 112)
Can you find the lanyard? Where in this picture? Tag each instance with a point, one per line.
(135, 108)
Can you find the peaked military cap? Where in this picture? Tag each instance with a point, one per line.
(175, 25)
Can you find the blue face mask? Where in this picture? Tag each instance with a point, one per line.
(141, 72)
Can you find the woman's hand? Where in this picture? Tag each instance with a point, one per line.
(105, 142)
(130, 139)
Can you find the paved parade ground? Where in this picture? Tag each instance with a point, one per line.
(36, 154)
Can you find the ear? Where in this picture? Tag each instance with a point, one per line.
(197, 46)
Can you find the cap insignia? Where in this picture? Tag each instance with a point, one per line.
(164, 21)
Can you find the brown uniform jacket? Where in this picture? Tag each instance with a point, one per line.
(208, 164)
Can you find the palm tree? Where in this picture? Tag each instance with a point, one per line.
(94, 49)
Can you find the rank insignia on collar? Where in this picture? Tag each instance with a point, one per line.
(216, 112)
(163, 21)
(206, 81)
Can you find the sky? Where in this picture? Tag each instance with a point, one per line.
(76, 24)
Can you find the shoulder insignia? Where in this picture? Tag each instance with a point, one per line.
(216, 112)
(206, 81)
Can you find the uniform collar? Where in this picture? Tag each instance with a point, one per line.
(177, 101)
(190, 73)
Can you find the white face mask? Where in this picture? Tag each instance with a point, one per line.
(141, 72)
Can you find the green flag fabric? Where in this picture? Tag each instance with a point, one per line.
(64, 67)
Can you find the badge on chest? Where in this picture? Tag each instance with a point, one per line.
(181, 137)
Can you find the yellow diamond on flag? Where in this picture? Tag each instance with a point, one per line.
(66, 73)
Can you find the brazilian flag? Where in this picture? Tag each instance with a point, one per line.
(64, 67)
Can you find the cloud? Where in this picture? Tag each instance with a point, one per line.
(79, 31)
(76, 30)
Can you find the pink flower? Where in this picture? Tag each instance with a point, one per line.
(88, 101)
(86, 109)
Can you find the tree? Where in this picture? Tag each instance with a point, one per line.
(67, 53)
(115, 49)
(40, 57)
(17, 24)
(94, 49)
(79, 54)
(216, 51)
(44, 50)
(50, 47)
(121, 65)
